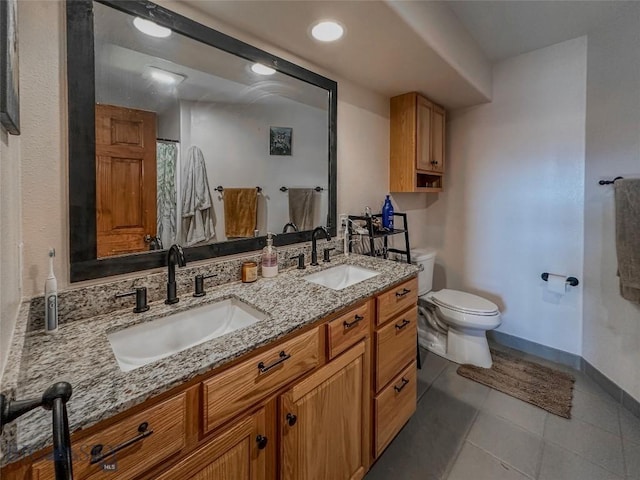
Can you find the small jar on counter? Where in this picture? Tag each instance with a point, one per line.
(249, 272)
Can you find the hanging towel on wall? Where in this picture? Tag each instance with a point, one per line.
(197, 208)
(301, 207)
(240, 211)
(627, 193)
(166, 164)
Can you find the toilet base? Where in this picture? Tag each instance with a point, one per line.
(458, 347)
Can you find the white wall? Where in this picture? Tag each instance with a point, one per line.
(234, 139)
(513, 200)
(611, 339)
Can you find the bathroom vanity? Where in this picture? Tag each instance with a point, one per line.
(316, 389)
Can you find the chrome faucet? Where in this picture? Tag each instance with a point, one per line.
(175, 255)
(314, 247)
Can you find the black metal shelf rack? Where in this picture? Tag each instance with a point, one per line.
(373, 234)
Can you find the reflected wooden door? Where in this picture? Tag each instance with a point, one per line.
(125, 179)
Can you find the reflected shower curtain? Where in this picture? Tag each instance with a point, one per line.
(166, 164)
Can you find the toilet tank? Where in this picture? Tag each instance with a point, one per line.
(425, 259)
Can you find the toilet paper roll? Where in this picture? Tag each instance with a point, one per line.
(557, 284)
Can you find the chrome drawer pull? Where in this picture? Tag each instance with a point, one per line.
(402, 385)
(400, 326)
(265, 368)
(357, 318)
(96, 451)
(403, 292)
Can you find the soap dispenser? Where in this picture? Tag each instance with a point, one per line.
(269, 258)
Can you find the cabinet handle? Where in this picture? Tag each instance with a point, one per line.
(357, 318)
(96, 451)
(403, 292)
(402, 385)
(291, 419)
(262, 441)
(434, 162)
(265, 368)
(404, 323)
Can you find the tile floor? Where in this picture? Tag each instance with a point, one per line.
(463, 430)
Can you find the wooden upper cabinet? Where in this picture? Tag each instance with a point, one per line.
(324, 422)
(417, 144)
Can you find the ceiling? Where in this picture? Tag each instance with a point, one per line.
(507, 28)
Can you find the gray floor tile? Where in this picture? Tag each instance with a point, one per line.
(432, 367)
(472, 393)
(521, 413)
(588, 441)
(473, 463)
(561, 464)
(630, 425)
(508, 442)
(438, 407)
(631, 458)
(596, 410)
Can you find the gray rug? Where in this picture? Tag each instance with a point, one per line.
(530, 382)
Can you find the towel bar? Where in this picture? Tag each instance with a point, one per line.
(220, 189)
(609, 182)
(573, 281)
(317, 189)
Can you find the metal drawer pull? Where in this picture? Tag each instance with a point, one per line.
(96, 451)
(262, 441)
(402, 385)
(357, 318)
(265, 368)
(403, 292)
(291, 419)
(400, 326)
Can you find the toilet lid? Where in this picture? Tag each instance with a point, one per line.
(464, 302)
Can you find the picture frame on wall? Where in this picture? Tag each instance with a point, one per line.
(9, 80)
(280, 140)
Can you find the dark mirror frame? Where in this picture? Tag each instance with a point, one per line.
(82, 165)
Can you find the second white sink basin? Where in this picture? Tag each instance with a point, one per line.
(145, 343)
(340, 277)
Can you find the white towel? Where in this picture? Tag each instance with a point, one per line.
(197, 208)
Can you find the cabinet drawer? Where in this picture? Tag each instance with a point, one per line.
(346, 330)
(394, 406)
(166, 420)
(245, 384)
(396, 300)
(395, 346)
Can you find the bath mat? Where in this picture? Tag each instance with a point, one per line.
(530, 382)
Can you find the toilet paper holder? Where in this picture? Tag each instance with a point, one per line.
(573, 281)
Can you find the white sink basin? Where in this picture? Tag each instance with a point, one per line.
(341, 277)
(156, 339)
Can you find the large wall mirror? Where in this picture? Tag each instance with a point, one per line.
(181, 134)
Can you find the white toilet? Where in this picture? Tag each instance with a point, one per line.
(452, 324)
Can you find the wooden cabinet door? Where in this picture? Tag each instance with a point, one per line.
(126, 180)
(423, 144)
(236, 454)
(437, 139)
(324, 422)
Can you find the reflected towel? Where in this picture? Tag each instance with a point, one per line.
(628, 237)
(240, 211)
(301, 207)
(197, 209)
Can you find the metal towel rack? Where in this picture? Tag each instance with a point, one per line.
(573, 281)
(609, 182)
(220, 189)
(317, 189)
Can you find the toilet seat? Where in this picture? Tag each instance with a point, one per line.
(463, 302)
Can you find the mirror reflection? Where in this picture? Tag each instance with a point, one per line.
(195, 145)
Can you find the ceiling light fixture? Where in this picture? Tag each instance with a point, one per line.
(262, 69)
(165, 77)
(327, 31)
(151, 28)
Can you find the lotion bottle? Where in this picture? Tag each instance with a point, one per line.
(51, 298)
(269, 258)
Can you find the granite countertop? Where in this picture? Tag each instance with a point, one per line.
(80, 353)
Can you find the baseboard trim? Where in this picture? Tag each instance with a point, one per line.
(574, 361)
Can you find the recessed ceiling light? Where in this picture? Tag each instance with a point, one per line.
(328, 31)
(165, 77)
(262, 69)
(151, 28)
